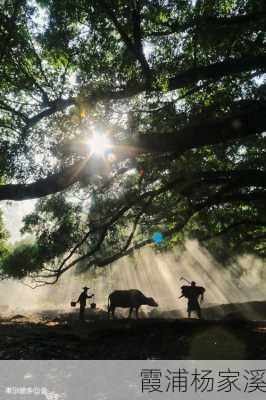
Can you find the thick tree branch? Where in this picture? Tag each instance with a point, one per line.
(236, 225)
(217, 70)
(251, 22)
(213, 131)
(184, 79)
(43, 187)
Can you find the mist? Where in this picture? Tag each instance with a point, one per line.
(155, 274)
(13, 213)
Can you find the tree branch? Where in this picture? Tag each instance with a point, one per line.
(252, 21)
(182, 80)
(134, 47)
(235, 225)
(213, 131)
(217, 70)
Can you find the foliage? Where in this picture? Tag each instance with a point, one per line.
(178, 87)
(21, 261)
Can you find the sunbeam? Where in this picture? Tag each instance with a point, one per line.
(99, 144)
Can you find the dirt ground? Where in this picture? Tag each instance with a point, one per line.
(58, 335)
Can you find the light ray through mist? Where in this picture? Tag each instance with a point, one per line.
(156, 275)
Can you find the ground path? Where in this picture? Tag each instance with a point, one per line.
(60, 336)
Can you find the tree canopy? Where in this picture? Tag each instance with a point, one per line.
(178, 91)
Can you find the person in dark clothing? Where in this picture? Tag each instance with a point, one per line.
(82, 302)
(193, 293)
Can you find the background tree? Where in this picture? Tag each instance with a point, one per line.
(178, 87)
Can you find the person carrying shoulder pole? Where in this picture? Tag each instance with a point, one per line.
(82, 302)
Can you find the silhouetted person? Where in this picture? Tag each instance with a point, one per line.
(82, 302)
(192, 293)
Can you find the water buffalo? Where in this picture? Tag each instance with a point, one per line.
(132, 298)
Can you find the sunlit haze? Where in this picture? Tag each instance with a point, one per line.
(98, 144)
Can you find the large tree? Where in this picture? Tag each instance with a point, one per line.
(179, 89)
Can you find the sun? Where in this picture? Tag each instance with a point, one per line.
(99, 144)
